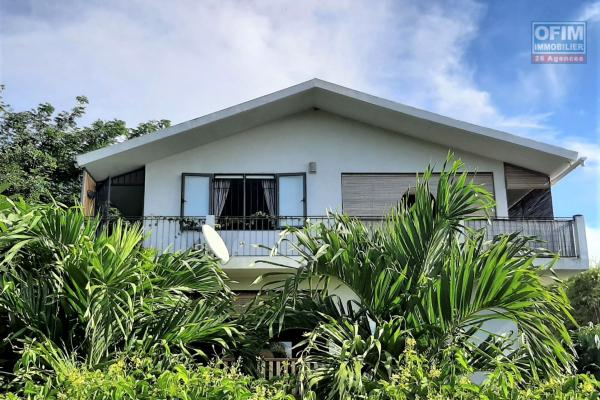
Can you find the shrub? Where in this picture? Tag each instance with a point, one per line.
(130, 377)
(583, 290)
(416, 378)
(587, 345)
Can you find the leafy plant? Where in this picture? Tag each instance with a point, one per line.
(50, 374)
(417, 377)
(38, 148)
(421, 274)
(583, 290)
(94, 291)
(587, 345)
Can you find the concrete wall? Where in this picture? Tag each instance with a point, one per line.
(337, 144)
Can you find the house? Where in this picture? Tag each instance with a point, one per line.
(274, 161)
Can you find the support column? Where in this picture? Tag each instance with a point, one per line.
(580, 240)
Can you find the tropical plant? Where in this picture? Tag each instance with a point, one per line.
(587, 346)
(416, 378)
(583, 291)
(50, 374)
(93, 292)
(422, 274)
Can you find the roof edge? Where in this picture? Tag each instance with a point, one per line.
(441, 119)
(98, 154)
(315, 83)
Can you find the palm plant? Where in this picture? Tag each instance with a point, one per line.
(423, 276)
(95, 291)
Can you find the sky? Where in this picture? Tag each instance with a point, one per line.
(144, 59)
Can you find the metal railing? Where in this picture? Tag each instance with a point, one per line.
(556, 235)
(255, 236)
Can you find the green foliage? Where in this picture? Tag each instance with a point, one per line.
(38, 148)
(583, 290)
(97, 292)
(52, 375)
(587, 345)
(422, 274)
(417, 377)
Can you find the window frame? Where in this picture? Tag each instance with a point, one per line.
(182, 196)
(211, 177)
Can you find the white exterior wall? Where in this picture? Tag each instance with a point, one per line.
(338, 145)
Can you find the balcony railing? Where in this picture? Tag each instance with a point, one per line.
(555, 235)
(255, 236)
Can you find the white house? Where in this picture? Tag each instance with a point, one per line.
(276, 160)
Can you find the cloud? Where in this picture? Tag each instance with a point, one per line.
(590, 12)
(154, 59)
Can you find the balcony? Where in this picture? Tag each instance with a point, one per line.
(254, 236)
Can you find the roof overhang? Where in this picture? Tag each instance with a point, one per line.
(122, 157)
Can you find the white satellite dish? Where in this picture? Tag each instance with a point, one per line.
(215, 243)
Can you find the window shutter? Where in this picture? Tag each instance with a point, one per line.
(373, 195)
(196, 196)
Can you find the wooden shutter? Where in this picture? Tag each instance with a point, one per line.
(88, 194)
(521, 178)
(373, 195)
(486, 179)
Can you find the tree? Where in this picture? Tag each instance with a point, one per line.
(420, 280)
(38, 148)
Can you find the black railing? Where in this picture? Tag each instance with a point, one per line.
(173, 233)
(256, 236)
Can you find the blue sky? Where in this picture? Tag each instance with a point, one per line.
(148, 59)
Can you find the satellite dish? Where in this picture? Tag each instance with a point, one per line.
(215, 243)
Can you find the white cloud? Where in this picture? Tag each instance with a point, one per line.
(590, 12)
(154, 59)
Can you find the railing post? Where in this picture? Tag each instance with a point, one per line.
(580, 239)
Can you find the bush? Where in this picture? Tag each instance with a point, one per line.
(417, 378)
(583, 290)
(587, 345)
(141, 377)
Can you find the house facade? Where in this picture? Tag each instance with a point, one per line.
(290, 156)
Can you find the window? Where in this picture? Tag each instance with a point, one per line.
(243, 195)
(374, 194)
(195, 199)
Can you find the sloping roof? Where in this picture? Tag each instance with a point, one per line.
(551, 160)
